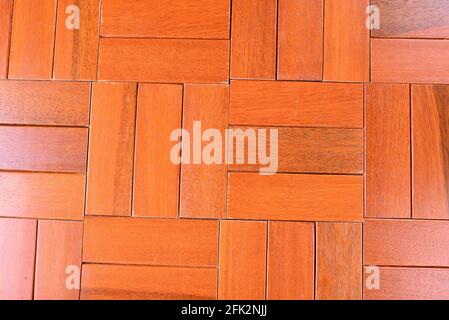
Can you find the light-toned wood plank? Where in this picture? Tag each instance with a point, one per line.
(111, 147)
(5, 35)
(243, 254)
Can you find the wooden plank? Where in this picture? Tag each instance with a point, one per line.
(423, 19)
(76, 50)
(346, 41)
(339, 261)
(159, 60)
(203, 186)
(291, 265)
(266, 103)
(43, 149)
(430, 125)
(58, 260)
(111, 149)
(295, 197)
(388, 165)
(5, 35)
(156, 178)
(44, 103)
(32, 44)
(42, 195)
(410, 61)
(109, 282)
(411, 284)
(253, 45)
(406, 243)
(300, 40)
(18, 247)
(166, 19)
(151, 241)
(243, 256)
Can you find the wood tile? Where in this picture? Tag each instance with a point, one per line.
(243, 256)
(18, 247)
(58, 260)
(113, 282)
(283, 103)
(42, 195)
(111, 149)
(203, 186)
(5, 35)
(339, 261)
(151, 241)
(253, 45)
(291, 265)
(388, 165)
(300, 40)
(166, 19)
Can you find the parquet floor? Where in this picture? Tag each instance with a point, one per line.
(92, 205)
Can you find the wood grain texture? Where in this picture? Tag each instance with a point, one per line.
(5, 35)
(406, 243)
(243, 256)
(430, 126)
(76, 50)
(48, 149)
(410, 61)
(291, 265)
(295, 197)
(300, 40)
(346, 41)
(32, 39)
(44, 103)
(166, 19)
(339, 261)
(203, 186)
(422, 19)
(411, 284)
(151, 241)
(17, 252)
(111, 149)
(388, 193)
(42, 195)
(156, 178)
(164, 60)
(59, 245)
(283, 103)
(253, 45)
(113, 282)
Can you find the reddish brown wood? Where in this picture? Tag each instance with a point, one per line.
(5, 35)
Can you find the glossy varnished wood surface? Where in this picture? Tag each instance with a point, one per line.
(5, 35)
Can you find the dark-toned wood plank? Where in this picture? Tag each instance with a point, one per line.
(5, 35)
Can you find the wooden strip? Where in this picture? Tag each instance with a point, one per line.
(43, 149)
(388, 151)
(108, 282)
(5, 35)
(266, 103)
(76, 50)
(295, 197)
(156, 178)
(430, 123)
(44, 103)
(32, 39)
(346, 40)
(291, 265)
(58, 260)
(339, 261)
(160, 60)
(166, 19)
(42, 195)
(242, 260)
(300, 40)
(17, 251)
(406, 243)
(203, 186)
(410, 61)
(111, 147)
(151, 241)
(253, 52)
